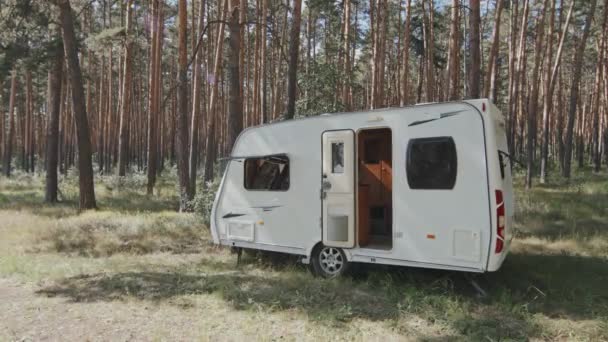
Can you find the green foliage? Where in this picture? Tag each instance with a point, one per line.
(321, 86)
(24, 27)
(105, 38)
(203, 201)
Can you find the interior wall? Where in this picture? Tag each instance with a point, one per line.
(374, 181)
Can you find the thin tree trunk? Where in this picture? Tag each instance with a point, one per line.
(2, 128)
(123, 142)
(294, 49)
(428, 52)
(454, 55)
(533, 100)
(8, 143)
(513, 16)
(154, 94)
(346, 49)
(551, 75)
(182, 107)
(574, 89)
(262, 76)
(597, 93)
(406, 56)
(474, 48)
(196, 104)
(374, 53)
(235, 102)
(211, 144)
(490, 82)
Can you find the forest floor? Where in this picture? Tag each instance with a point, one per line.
(136, 269)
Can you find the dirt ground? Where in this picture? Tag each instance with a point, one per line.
(26, 315)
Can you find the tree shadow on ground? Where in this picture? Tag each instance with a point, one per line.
(557, 286)
(555, 215)
(242, 290)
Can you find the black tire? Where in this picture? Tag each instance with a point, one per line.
(328, 262)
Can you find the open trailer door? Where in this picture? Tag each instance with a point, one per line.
(338, 188)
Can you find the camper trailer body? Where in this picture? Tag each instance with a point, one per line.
(424, 186)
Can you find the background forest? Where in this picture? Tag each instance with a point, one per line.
(122, 86)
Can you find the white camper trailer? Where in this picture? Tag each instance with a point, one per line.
(425, 186)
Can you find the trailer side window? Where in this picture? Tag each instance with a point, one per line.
(267, 173)
(431, 163)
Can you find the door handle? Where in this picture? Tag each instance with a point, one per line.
(326, 185)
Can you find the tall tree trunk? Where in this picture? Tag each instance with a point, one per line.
(196, 103)
(235, 102)
(182, 107)
(346, 50)
(513, 16)
(406, 56)
(154, 93)
(85, 163)
(597, 93)
(374, 53)
(574, 89)
(52, 134)
(262, 75)
(2, 128)
(518, 78)
(27, 125)
(533, 100)
(110, 103)
(475, 49)
(428, 51)
(211, 144)
(294, 49)
(8, 143)
(454, 55)
(123, 140)
(550, 78)
(490, 81)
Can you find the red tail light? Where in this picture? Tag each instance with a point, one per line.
(500, 221)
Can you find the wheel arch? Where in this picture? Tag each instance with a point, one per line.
(318, 244)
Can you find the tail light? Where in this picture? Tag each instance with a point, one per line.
(500, 222)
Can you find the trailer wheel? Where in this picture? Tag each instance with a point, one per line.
(329, 262)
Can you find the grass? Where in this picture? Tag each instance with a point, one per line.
(137, 251)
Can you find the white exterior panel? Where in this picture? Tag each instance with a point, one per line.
(446, 228)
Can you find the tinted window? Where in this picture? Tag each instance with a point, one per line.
(431, 163)
(267, 173)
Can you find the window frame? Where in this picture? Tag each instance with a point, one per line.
(266, 157)
(408, 156)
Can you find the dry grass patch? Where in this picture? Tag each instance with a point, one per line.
(99, 234)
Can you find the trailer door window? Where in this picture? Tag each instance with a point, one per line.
(269, 173)
(431, 163)
(337, 157)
